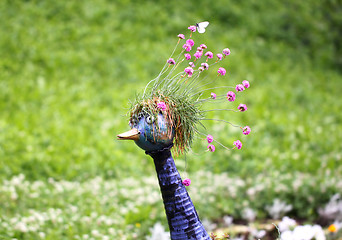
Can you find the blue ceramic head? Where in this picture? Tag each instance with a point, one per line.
(149, 133)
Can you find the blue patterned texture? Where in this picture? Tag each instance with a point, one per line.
(181, 214)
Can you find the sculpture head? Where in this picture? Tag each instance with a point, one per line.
(149, 133)
(161, 119)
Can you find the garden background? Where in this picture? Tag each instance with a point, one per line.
(69, 68)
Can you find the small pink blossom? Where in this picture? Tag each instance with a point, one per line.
(171, 61)
(191, 64)
(213, 95)
(190, 42)
(189, 71)
(231, 96)
(161, 106)
(211, 148)
(226, 51)
(209, 54)
(242, 107)
(199, 49)
(239, 88)
(203, 46)
(187, 47)
(192, 28)
(245, 83)
(210, 138)
(221, 71)
(238, 144)
(205, 65)
(181, 36)
(246, 130)
(201, 69)
(186, 182)
(219, 56)
(198, 54)
(187, 56)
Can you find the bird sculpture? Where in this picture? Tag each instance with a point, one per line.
(181, 214)
(165, 118)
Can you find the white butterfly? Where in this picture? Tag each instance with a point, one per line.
(201, 26)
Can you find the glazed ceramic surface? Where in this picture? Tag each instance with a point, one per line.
(154, 133)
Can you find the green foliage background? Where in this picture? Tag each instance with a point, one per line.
(69, 68)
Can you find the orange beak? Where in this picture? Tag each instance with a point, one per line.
(132, 134)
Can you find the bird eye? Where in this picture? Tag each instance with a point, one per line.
(149, 119)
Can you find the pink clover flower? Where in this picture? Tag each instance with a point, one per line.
(186, 182)
(221, 71)
(238, 144)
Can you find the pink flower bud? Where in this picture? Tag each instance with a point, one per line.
(210, 138)
(186, 182)
(226, 51)
(189, 71)
(239, 88)
(245, 83)
(219, 56)
(238, 144)
(221, 71)
(231, 96)
(205, 65)
(192, 28)
(198, 54)
(161, 106)
(211, 148)
(203, 46)
(246, 130)
(171, 61)
(181, 36)
(209, 54)
(190, 42)
(187, 47)
(242, 107)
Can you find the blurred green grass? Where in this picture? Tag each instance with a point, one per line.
(69, 68)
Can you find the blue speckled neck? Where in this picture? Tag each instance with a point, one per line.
(181, 214)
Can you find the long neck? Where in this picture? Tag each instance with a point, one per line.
(181, 214)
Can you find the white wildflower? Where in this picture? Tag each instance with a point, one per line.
(21, 227)
(303, 232)
(158, 233)
(286, 235)
(14, 196)
(85, 236)
(278, 209)
(286, 224)
(248, 214)
(208, 225)
(333, 209)
(306, 232)
(257, 234)
(318, 232)
(95, 233)
(228, 220)
(41, 234)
